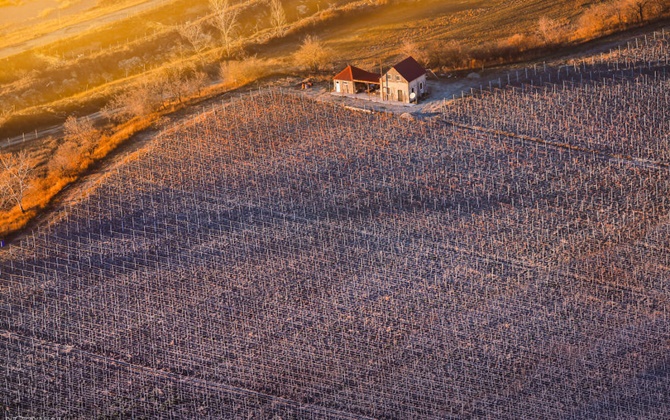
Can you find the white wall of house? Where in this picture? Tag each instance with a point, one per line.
(418, 86)
(344, 86)
(396, 88)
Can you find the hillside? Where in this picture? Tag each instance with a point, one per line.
(278, 256)
(76, 63)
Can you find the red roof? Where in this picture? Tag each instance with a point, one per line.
(410, 69)
(354, 74)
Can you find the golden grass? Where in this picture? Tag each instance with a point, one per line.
(41, 29)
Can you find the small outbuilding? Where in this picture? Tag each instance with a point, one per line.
(354, 80)
(404, 82)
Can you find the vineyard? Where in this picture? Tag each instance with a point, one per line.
(616, 103)
(278, 257)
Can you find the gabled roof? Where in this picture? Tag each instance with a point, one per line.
(354, 74)
(410, 69)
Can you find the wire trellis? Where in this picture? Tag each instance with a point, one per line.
(283, 257)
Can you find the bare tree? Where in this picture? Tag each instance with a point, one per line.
(128, 65)
(81, 139)
(225, 20)
(17, 177)
(175, 79)
(196, 82)
(198, 39)
(277, 17)
(66, 158)
(80, 131)
(549, 30)
(141, 100)
(640, 8)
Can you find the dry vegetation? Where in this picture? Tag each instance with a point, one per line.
(35, 82)
(584, 22)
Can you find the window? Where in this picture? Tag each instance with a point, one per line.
(397, 78)
(421, 85)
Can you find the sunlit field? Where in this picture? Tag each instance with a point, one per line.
(75, 56)
(193, 225)
(278, 256)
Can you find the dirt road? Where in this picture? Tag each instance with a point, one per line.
(78, 28)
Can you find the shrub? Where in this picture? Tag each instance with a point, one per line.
(312, 54)
(141, 100)
(241, 72)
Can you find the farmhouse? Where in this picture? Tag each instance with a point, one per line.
(404, 82)
(354, 80)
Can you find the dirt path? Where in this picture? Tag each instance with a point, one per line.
(43, 133)
(441, 90)
(78, 28)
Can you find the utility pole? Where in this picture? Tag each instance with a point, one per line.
(381, 83)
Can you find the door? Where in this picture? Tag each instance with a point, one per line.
(400, 96)
(337, 86)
